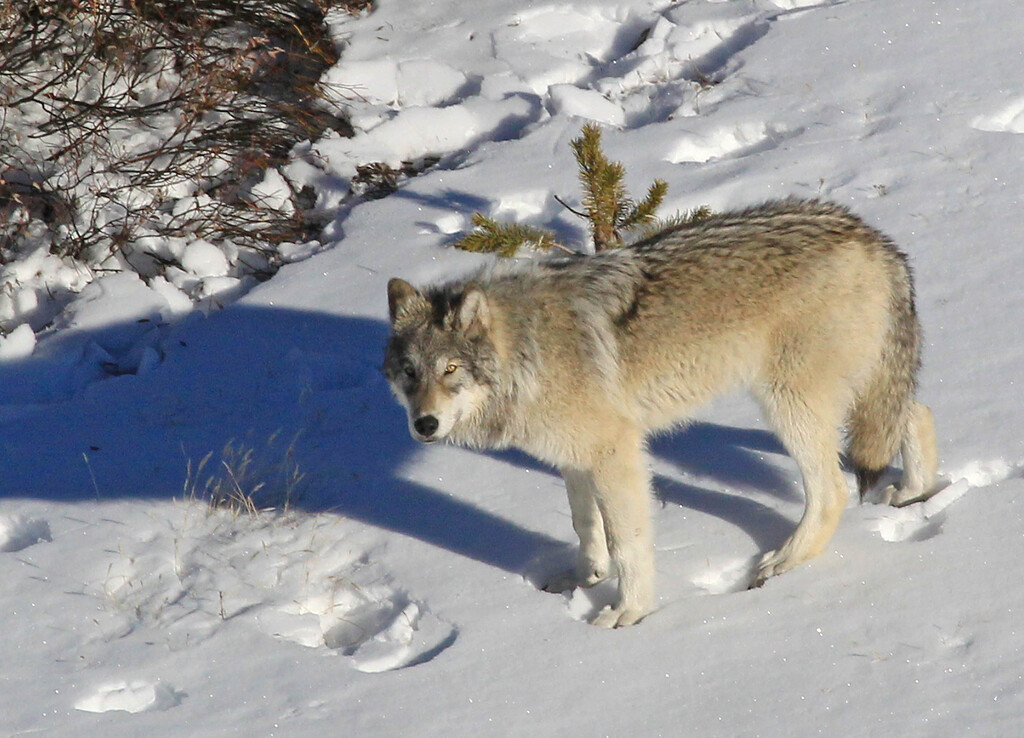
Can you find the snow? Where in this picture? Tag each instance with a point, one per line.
(392, 589)
(18, 344)
(272, 192)
(204, 259)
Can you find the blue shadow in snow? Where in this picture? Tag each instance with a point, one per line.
(83, 423)
(98, 418)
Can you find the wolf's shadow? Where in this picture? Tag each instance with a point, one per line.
(85, 421)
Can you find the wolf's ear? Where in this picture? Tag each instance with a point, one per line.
(474, 312)
(403, 299)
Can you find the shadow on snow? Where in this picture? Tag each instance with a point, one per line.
(124, 412)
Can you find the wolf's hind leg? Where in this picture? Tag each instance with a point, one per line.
(593, 564)
(920, 459)
(812, 438)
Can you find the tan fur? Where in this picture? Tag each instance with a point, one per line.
(576, 360)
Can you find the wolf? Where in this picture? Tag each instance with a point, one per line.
(577, 359)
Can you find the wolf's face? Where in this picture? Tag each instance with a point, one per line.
(439, 360)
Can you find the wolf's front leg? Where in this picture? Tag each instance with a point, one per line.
(593, 563)
(622, 490)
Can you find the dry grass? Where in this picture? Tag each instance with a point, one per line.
(247, 480)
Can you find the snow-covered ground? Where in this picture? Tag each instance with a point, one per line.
(396, 595)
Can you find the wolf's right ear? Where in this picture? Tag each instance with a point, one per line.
(475, 312)
(403, 299)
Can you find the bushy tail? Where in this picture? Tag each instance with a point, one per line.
(885, 417)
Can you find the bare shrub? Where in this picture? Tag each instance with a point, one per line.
(125, 123)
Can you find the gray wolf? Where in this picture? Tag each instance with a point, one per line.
(575, 360)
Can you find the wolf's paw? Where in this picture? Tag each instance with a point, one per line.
(618, 617)
(772, 563)
(595, 574)
(901, 497)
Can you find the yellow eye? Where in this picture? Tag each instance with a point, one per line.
(452, 366)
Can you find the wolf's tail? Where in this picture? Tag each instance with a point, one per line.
(885, 416)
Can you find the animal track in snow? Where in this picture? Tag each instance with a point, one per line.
(523, 205)
(1008, 119)
(450, 223)
(729, 577)
(984, 473)
(300, 578)
(801, 4)
(737, 140)
(570, 33)
(391, 638)
(907, 524)
(584, 604)
(565, 44)
(688, 52)
(919, 521)
(18, 532)
(378, 628)
(923, 520)
(134, 696)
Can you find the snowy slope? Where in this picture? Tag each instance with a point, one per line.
(396, 595)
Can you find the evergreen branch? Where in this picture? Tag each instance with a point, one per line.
(643, 211)
(504, 239)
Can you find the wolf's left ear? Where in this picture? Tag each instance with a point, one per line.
(403, 298)
(474, 312)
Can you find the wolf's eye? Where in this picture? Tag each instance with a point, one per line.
(452, 366)
(409, 369)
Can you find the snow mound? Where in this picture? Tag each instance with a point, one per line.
(18, 532)
(18, 344)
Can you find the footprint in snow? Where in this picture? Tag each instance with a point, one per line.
(388, 637)
(18, 532)
(1007, 119)
(918, 521)
(726, 577)
(729, 577)
(728, 141)
(585, 604)
(923, 520)
(378, 631)
(135, 696)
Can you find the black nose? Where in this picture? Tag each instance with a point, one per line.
(426, 426)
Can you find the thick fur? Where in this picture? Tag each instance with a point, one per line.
(576, 360)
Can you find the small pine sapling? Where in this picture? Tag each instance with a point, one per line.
(607, 206)
(606, 203)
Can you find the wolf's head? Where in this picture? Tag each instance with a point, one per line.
(440, 361)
